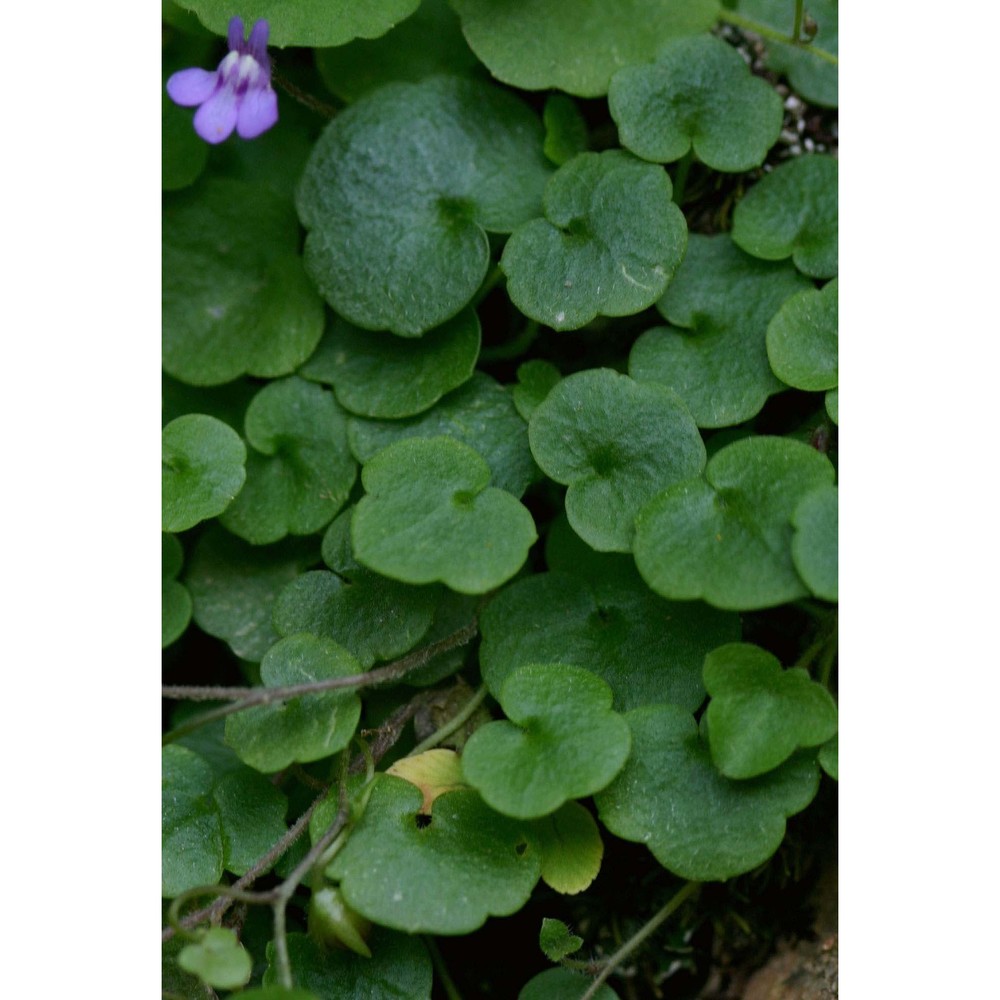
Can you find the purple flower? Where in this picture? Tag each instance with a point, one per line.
(237, 95)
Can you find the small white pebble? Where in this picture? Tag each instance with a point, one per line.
(809, 144)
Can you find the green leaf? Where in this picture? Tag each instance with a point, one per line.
(759, 714)
(176, 599)
(428, 42)
(698, 94)
(792, 212)
(227, 403)
(802, 339)
(576, 47)
(828, 757)
(278, 993)
(556, 941)
(184, 152)
(445, 877)
(571, 848)
(616, 443)
(300, 470)
(400, 192)
(429, 515)
(310, 727)
(376, 374)
(203, 470)
(645, 648)
(307, 22)
(174, 980)
(218, 959)
(192, 834)
(236, 299)
(814, 544)
(699, 824)
(832, 400)
(565, 129)
(535, 380)
(609, 243)
(726, 537)
(371, 616)
(233, 586)
(399, 968)
(811, 76)
(562, 741)
(718, 364)
(562, 984)
(481, 413)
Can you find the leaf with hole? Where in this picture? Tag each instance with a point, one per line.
(802, 339)
(561, 740)
(608, 245)
(698, 95)
(724, 299)
(442, 877)
(299, 470)
(401, 190)
(792, 212)
(236, 299)
(615, 443)
(430, 515)
(726, 537)
(759, 714)
(576, 47)
(305, 728)
(376, 374)
(233, 586)
(203, 470)
(814, 544)
(481, 413)
(699, 824)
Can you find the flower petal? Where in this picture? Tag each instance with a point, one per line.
(189, 87)
(257, 43)
(235, 34)
(215, 120)
(258, 112)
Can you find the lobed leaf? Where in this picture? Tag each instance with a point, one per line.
(236, 299)
(571, 848)
(217, 959)
(759, 714)
(615, 443)
(802, 339)
(698, 95)
(608, 245)
(726, 536)
(429, 515)
(535, 380)
(699, 824)
(400, 191)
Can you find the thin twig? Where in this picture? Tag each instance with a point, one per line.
(453, 724)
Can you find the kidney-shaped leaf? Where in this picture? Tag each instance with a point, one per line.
(609, 243)
(430, 515)
(399, 968)
(307, 22)
(218, 959)
(571, 848)
(445, 877)
(376, 374)
(802, 339)
(792, 212)
(698, 94)
(562, 984)
(726, 537)
(481, 413)
(645, 648)
(699, 824)
(759, 714)
(535, 380)
(309, 727)
(576, 47)
(233, 586)
(235, 297)
(718, 364)
(616, 443)
(561, 740)
(300, 470)
(814, 544)
(400, 191)
(203, 469)
(371, 616)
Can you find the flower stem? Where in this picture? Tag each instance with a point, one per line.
(765, 31)
(797, 23)
(637, 939)
(514, 347)
(312, 103)
(447, 983)
(680, 180)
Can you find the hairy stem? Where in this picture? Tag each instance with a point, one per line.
(637, 939)
(305, 99)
